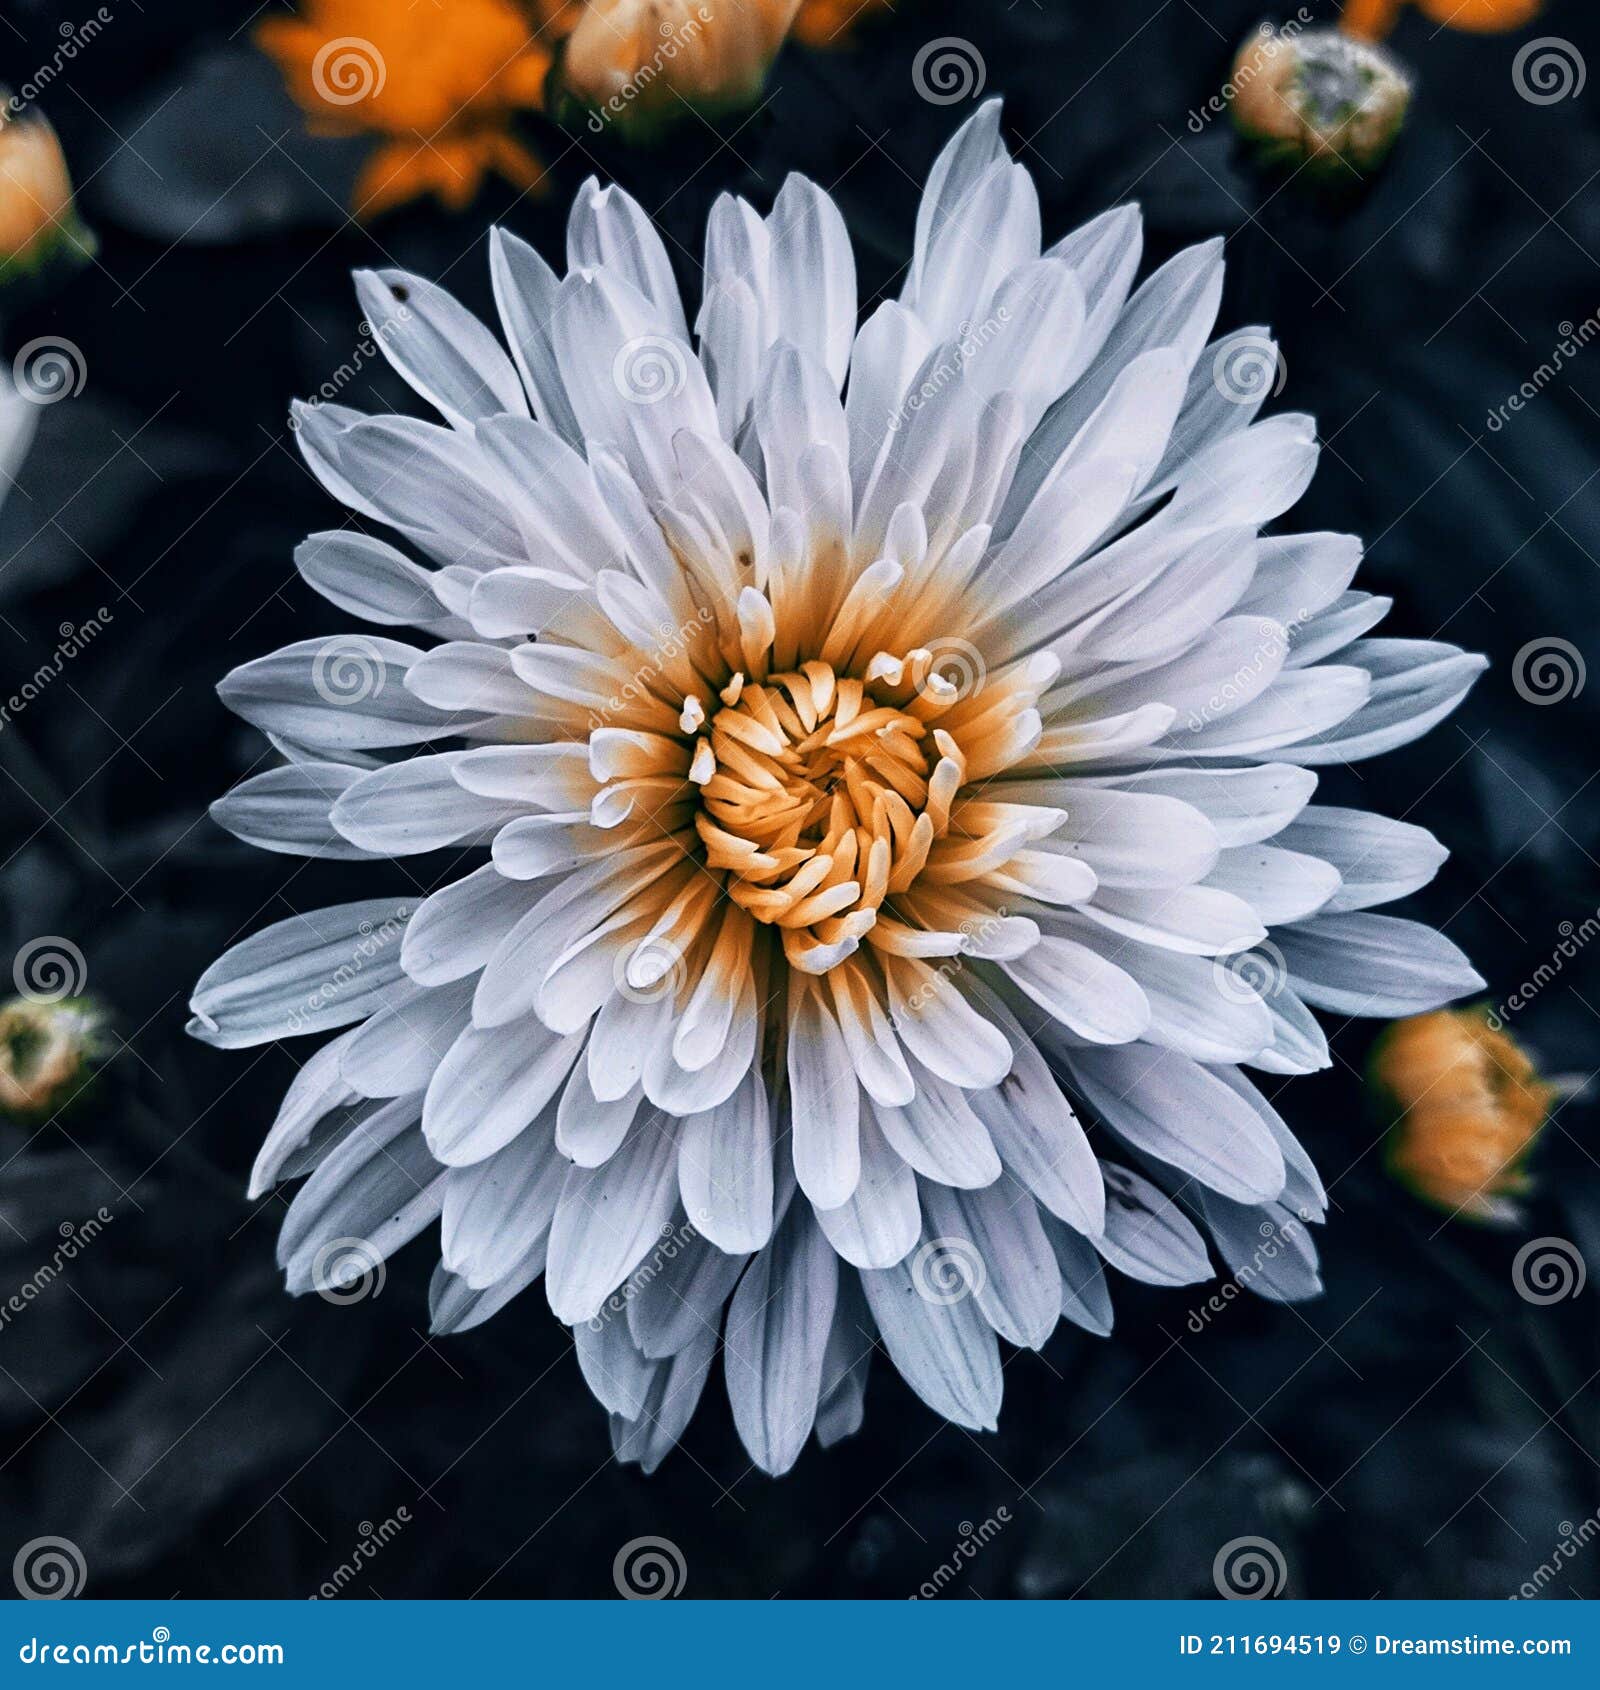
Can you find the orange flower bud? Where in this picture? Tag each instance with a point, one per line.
(36, 212)
(47, 1054)
(1319, 97)
(638, 62)
(1468, 1106)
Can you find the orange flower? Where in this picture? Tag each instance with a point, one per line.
(1320, 97)
(1373, 19)
(36, 211)
(1469, 1103)
(439, 85)
(634, 61)
(825, 23)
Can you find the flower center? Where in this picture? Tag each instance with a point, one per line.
(820, 799)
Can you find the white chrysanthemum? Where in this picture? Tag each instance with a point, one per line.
(879, 793)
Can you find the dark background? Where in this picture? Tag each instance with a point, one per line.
(1419, 1431)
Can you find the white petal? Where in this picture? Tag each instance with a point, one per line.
(323, 969)
(1182, 1114)
(379, 1188)
(882, 1220)
(491, 1084)
(1378, 859)
(1019, 1289)
(940, 1136)
(774, 1340)
(1374, 965)
(287, 810)
(725, 1169)
(608, 1218)
(946, 1352)
(346, 691)
(446, 354)
(1147, 1236)
(496, 1210)
(826, 1103)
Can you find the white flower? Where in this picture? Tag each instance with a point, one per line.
(895, 788)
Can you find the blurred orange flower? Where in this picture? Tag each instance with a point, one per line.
(36, 210)
(635, 60)
(439, 89)
(1373, 19)
(439, 86)
(825, 23)
(1468, 1103)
